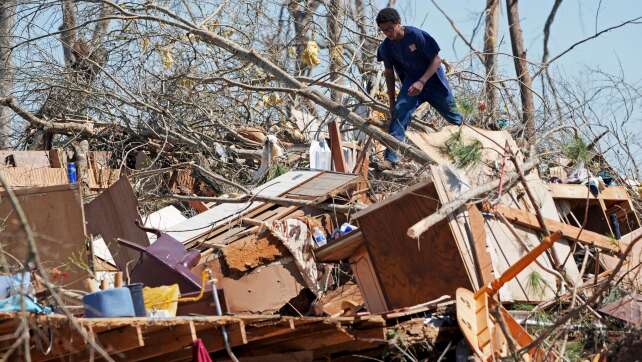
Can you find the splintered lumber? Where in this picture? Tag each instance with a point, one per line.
(336, 148)
(583, 236)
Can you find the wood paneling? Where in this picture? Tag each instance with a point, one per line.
(34, 177)
(411, 271)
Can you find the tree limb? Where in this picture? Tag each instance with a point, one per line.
(47, 125)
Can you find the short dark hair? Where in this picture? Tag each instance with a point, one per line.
(388, 15)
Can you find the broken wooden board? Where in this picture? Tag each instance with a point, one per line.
(401, 263)
(483, 262)
(253, 251)
(322, 185)
(492, 148)
(34, 177)
(367, 280)
(264, 290)
(28, 159)
(56, 217)
(337, 301)
(102, 178)
(585, 237)
(112, 215)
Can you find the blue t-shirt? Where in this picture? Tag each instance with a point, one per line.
(411, 56)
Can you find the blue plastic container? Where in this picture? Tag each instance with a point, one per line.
(136, 290)
(71, 172)
(116, 302)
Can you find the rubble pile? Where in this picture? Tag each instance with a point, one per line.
(310, 264)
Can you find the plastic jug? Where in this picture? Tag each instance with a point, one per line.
(320, 155)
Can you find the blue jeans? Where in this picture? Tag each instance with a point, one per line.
(442, 102)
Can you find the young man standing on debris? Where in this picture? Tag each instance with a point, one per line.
(414, 55)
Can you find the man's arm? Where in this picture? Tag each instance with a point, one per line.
(389, 73)
(418, 86)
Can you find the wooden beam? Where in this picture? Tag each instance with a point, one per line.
(213, 338)
(341, 249)
(163, 341)
(336, 147)
(580, 192)
(586, 237)
(114, 341)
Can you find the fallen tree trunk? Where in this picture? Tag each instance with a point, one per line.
(423, 225)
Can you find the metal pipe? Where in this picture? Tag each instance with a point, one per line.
(219, 312)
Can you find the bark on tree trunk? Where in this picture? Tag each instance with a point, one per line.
(490, 58)
(335, 14)
(7, 20)
(83, 61)
(521, 68)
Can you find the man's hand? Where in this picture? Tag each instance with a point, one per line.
(415, 88)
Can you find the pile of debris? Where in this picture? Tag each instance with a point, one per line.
(307, 265)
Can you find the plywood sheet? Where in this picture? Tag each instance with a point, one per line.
(33, 159)
(205, 222)
(112, 215)
(448, 187)
(265, 289)
(34, 177)
(55, 214)
(506, 250)
(411, 271)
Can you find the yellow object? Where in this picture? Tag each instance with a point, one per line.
(205, 277)
(166, 57)
(310, 55)
(272, 99)
(292, 52)
(165, 297)
(145, 43)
